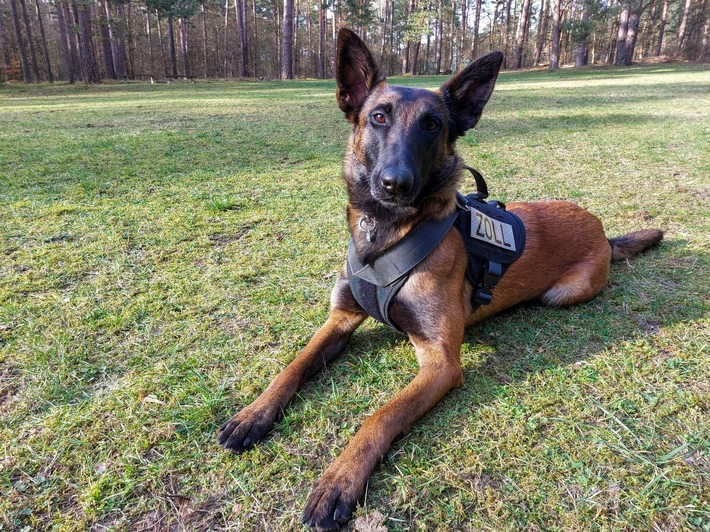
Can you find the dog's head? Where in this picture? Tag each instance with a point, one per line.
(402, 146)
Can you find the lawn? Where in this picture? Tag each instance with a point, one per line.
(165, 250)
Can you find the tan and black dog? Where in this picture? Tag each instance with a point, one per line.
(401, 169)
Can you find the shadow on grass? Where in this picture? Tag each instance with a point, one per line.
(626, 309)
(511, 347)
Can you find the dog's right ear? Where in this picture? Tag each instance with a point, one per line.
(468, 92)
(357, 73)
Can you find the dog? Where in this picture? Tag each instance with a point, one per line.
(401, 170)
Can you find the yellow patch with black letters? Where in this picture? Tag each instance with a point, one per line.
(493, 231)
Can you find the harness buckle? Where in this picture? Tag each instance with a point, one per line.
(483, 296)
(492, 274)
(461, 202)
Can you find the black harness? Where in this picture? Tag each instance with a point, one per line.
(494, 238)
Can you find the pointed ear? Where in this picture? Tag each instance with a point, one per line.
(468, 91)
(357, 73)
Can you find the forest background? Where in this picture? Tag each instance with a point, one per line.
(159, 40)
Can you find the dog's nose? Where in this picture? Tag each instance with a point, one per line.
(396, 183)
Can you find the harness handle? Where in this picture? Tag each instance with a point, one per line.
(481, 187)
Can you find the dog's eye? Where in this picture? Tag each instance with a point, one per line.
(379, 118)
(431, 124)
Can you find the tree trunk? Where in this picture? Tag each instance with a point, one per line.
(494, 27)
(297, 50)
(506, 33)
(465, 8)
(406, 64)
(217, 67)
(4, 66)
(439, 36)
(415, 58)
(255, 40)
(87, 55)
(309, 32)
(225, 66)
(631, 35)
(173, 52)
(129, 37)
(149, 35)
(43, 40)
(542, 23)
(322, 27)
(106, 39)
(119, 42)
(205, 42)
(427, 60)
(278, 29)
(629, 20)
(451, 40)
(705, 40)
(580, 56)
(187, 71)
(163, 55)
(287, 41)
(556, 32)
(623, 28)
(26, 73)
(30, 41)
(63, 20)
(476, 27)
(521, 34)
(661, 29)
(680, 38)
(240, 9)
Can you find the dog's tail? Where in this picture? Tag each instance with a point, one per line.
(630, 245)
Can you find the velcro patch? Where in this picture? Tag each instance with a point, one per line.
(493, 231)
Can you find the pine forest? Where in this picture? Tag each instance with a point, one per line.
(163, 40)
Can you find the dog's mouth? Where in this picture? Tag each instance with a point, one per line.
(396, 205)
(392, 201)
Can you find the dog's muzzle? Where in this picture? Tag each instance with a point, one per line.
(394, 186)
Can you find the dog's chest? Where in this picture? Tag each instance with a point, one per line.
(493, 237)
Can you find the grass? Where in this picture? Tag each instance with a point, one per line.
(166, 249)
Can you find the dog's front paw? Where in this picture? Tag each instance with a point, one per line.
(246, 428)
(332, 501)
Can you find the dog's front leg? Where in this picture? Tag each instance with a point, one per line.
(251, 424)
(337, 492)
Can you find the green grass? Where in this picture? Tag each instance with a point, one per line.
(166, 249)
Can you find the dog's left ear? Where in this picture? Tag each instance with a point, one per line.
(357, 73)
(468, 91)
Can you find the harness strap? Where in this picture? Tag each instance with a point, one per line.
(375, 285)
(481, 187)
(397, 261)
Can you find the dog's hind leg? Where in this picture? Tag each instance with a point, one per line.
(581, 282)
(251, 424)
(588, 277)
